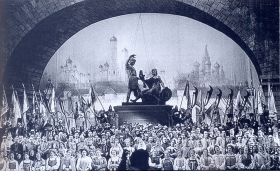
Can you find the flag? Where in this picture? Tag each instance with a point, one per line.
(260, 100)
(43, 110)
(199, 99)
(92, 96)
(25, 106)
(16, 112)
(238, 103)
(187, 94)
(52, 102)
(208, 114)
(4, 106)
(271, 104)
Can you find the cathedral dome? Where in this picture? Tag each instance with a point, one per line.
(113, 38)
(207, 62)
(69, 61)
(216, 65)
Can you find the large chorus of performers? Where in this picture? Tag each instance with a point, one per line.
(242, 144)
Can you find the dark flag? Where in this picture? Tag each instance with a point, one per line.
(187, 94)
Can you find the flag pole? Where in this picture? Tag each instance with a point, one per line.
(25, 111)
(98, 97)
(187, 84)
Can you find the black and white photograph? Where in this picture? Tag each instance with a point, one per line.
(108, 85)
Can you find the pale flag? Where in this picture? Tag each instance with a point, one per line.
(238, 103)
(4, 105)
(16, 113)
(260, 100)
(25, 106)
(44, 112)
(271, 104)
(52, 102)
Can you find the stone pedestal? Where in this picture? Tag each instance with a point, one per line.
(137, 113)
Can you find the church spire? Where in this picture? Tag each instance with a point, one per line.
(206, 54)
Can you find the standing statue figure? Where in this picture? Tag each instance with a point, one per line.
(132, 79)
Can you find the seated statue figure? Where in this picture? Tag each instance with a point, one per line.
(154, 95)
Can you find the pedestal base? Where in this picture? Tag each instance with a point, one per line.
(136, 113)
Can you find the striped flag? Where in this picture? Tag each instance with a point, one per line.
(34, 103)
(271, 104)
(16, 112)
(4, 105)
(260, 100)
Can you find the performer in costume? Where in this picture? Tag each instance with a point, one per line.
(132, 79)
(246, 161)
(84, 162)
(3, 163)
(262, 159)
(158, 148)
(205, 161)
(128, 147)
(12, 164)
(192, 162)
(219, 159)
(155, 162)
(68, 163)
(114, 161)
(39, 163)
(117, 147)
(99, 162)
(26, 164)
(231, 160)
(179, 162)
(167, 161)
(53, 162)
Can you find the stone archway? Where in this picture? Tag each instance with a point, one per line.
(31, 50)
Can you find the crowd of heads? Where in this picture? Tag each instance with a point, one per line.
(186, 145)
